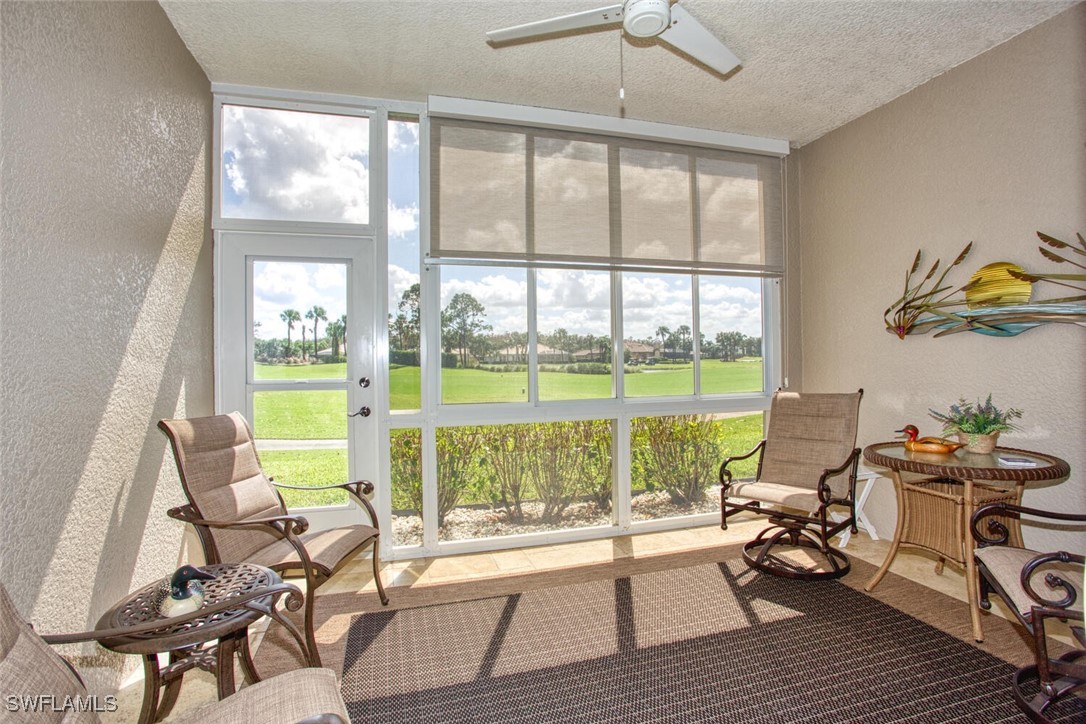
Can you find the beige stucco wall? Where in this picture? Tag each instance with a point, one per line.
(105, 297)
(990, 152)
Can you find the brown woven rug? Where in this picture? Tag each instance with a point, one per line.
(705, 642)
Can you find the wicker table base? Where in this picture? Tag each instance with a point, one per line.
(934, 511)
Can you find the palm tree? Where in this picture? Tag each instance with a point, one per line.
(335, 331)
(663, 333)
(317, 314)
(290, 316)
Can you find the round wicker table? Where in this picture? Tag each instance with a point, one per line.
(936, 502)
(238, 596)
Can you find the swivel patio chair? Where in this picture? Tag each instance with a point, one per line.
(1038, 588)
(806, 465)
(33, 675)
(240, 517)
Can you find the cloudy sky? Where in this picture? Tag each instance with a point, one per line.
(298, 166)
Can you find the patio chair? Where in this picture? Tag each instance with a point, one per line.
(32, 674)
(1038, 588)
(807, 462)
(240, 517)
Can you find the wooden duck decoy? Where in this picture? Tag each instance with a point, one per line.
(936, 445)
(184, 593)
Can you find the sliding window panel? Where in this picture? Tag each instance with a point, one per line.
(573, 316)
(657, 321)
(675, 461)
(502, 480)
(731, 335)
(484, 335)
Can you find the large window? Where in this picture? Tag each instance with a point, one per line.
(559, 336)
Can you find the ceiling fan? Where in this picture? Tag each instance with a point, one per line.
(641, 19)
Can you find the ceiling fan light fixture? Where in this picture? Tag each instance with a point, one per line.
(646, 18)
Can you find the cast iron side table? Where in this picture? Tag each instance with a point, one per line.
(934, 512)
(239, 595)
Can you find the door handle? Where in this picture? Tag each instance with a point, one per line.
(362, 412)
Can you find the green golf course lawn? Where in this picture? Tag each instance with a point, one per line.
(318, 414)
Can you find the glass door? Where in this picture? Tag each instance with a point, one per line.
(296, 343)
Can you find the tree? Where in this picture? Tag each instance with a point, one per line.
(317, 314)
(335, 330)
(731, 345)
(409, 309)
(290, 316)
(686, 338)
(664, 334)
(305, 354)
(462, 321)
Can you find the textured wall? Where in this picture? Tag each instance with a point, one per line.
(105, 296)
(990, 152)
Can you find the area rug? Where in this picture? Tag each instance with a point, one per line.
(709, 642)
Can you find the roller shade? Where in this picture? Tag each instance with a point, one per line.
(545, 197)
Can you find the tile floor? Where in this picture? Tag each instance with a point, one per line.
(918, 566)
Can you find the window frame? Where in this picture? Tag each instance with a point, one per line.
(433, 413)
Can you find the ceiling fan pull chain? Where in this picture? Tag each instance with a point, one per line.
(621, 74)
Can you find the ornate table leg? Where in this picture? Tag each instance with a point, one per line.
(173, 687)
(245, 658)
(151, 683)
(224, 664)
(899, 529)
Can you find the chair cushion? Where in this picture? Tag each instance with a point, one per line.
(284, 699)
(30, 668)
(1005, 565)
(776, 494)
(326, 548)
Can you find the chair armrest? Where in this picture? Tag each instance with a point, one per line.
(358, 490)
(824, 491)
(294, 602)
(1052, 579)
(284, 525)
(725, 474)
(998, 534)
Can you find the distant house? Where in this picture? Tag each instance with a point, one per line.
(519, 355)
(640, 351)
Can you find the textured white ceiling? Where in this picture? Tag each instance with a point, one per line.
(809, 66)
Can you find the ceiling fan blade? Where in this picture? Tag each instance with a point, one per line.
(688, 35)
(576, 21)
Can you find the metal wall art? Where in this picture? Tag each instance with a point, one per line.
(997, 300)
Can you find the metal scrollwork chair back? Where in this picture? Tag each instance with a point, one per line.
(1039, 588)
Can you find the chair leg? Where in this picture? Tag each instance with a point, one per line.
(310, 637)
(377, 574)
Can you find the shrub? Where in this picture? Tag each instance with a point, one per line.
(405, 357)
(406, 469)
(449, 360)
(506, 451)
(678, 453)
(458, 452)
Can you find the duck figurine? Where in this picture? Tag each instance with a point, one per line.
(937, 445)
(184, 593)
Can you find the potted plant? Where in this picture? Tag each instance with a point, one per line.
(977, 426)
